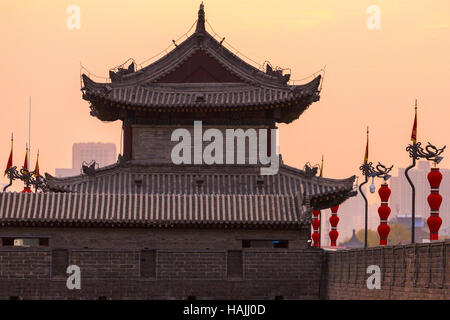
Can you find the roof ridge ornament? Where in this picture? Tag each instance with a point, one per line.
(201, 19)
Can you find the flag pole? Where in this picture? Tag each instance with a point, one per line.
(413, 189)
(366, 179)
(29, 127)
(9, 164)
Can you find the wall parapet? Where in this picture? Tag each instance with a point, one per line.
(412, 271)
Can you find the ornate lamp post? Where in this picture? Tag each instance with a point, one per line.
(368, 170)
(431, 153)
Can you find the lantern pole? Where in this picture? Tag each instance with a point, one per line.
(380, 171)
(416, 152)
(413, 199)
(366, 205)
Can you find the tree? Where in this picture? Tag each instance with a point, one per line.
(398, 234)
(372, 237)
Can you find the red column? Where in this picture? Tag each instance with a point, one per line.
(316, 225)
(434, 200)
(334, 220)
(384, 211)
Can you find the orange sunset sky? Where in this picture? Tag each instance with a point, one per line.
(372, 76)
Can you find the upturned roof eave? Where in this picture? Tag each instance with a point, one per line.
(287, 96)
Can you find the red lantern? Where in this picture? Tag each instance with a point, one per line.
(333, 237)
(334, 220)
(315, 224)
(383, 231)
(434, 178)
(434, 201)
(434, 223)
(315, 237)
(384, 192)
(384, 211)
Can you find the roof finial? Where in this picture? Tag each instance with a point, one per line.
(201, 19)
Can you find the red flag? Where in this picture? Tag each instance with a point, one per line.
(366, 155)
(414, 129)
(36, 169)
(10, 159)
(25, 163)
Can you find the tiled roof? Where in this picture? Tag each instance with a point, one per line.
(183, 179)
(149, 209)
(251, 87)
(146, 196)
(216, 180)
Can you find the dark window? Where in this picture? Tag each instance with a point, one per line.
(14, 298)
(265, 243)
(43, 242)
(60, 262)
(234, 264)
(191, 298)
(278, 297)
(102, 298)
(24, 242)
(148, 264)
(7, 241)
(281, 244)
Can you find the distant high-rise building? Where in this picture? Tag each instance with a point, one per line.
(400, 200)
(102, 153)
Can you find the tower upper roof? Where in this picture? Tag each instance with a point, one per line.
(199, 74)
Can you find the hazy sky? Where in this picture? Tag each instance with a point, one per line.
(372, 76)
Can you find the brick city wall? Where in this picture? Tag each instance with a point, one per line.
(190, 265)
(36, 273)
(420, 271)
